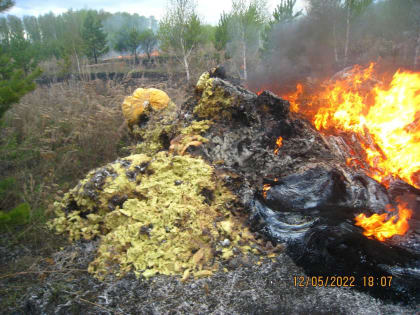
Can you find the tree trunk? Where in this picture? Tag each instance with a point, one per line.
(346, 47)
(244, 60)
(136, 60)
(185, 55)
(77, 60)
(187, 68)
(94, 55)
(335, 45)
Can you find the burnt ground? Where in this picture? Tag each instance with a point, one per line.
(60, 284)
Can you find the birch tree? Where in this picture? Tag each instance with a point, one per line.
(240, 30)
(353, 9)
(180, 31)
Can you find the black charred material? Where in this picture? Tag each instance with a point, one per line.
(220, 72)
(116, 200)
(97, 181)
(208, 195)
(71, 206)
(329, 191)
(342, 250)
(278, 107)
(313, 196)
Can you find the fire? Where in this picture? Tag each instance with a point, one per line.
(378, 227)
(292, 98)
(386, 121)
(279, 143)
(266, 188)
(386, 118)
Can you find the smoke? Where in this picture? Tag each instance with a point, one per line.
(311, 48)
(297, 52)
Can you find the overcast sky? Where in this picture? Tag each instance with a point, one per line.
(210, 10)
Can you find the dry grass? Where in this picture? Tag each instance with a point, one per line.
(48, 141)
(61, 132)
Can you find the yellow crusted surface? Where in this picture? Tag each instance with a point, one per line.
(165, 225)
(213, 103)
(134, 105)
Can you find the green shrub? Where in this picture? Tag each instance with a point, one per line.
(6, 185)
(17, 216)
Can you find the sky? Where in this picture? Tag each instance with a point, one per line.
(209, 10)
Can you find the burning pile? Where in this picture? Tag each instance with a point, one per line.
(382, 122)
(299, 186)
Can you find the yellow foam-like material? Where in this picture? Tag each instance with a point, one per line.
(134, 105)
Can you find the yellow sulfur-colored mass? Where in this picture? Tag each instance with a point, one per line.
(168, 214)
(157, 212)
(134, 105)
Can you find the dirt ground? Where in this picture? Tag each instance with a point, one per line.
(60, 285)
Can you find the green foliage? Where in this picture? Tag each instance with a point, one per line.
(32, 28)
(94, 37)
(6, 4)
(356, 7)
(6, 185)
(118, 25)
(239, 31)
(129, 40)
(283, 13)
(222, 32)
(13, 82)
(25, 55)
(180, 28)
(180, 31)
(15, 26)
(17, 216)
(148, 41)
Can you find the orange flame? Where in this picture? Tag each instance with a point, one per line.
(386, 120)
(266, 188)
(292, 98)
(377, 227)
(279, 143)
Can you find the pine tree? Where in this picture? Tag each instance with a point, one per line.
(283, 13)
(14, 82)
(148, 41)
(94, 37)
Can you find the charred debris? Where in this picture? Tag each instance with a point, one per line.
(292, 182)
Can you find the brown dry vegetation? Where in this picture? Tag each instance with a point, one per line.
(60, 132)
(48, 141)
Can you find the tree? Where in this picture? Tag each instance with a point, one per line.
(244, 25)
(15, 26)
(14, 83)
(353, 8)
(222, 31)
(25, 55)
(118, 25)
(133, 42)
(32, 28)
(283, 13)
(4, 32)
(180, 31)
(93, 36)
(6, 4)
(148, 41)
